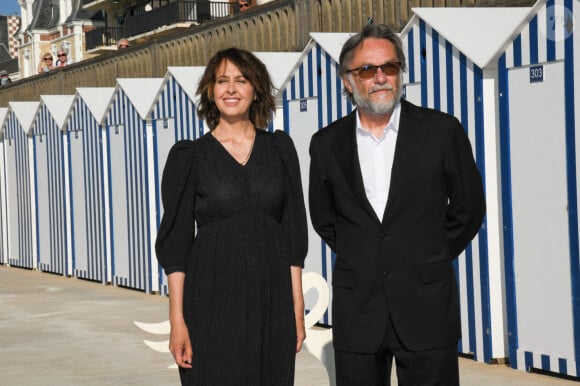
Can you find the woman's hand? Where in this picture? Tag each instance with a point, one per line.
(179, 342)
(300, 330)
(298, 300)
(180, 345)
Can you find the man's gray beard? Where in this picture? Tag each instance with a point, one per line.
(379, 108)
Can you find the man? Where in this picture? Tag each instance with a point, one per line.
(62, 59)
(4, 78)
(395, 192)
(244, 5)
(122, 44)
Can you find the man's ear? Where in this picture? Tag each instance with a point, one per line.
(346, 83)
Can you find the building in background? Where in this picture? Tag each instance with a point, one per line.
(88, 28)
(140, 21)
(52, 25)
(9, 25)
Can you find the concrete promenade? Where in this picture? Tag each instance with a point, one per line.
(65, 331)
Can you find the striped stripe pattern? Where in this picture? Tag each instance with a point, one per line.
(317, 76)
(450, 82)
(540, 41)
(127, 171)
(89, 252)
(175, 103)
(18, 195)
(49, 175)
(532, 46)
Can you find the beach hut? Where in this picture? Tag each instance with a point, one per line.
(309, 98)
(49, 174)
(512, 87)
(174, 105)
(89, 249)
(19, 232)
(129, 156)
(452, 66)
(281, 66)
(539, 124)
(3, 234)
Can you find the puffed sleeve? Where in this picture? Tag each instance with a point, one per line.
(177, 228)
(294, 216)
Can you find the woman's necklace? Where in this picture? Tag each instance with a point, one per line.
(251, 149)
(245, 161)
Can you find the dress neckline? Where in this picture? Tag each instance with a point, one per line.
(230, 156)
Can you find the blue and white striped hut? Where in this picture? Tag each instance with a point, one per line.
(173, 118)
(281, 66)
(20, 232)
(539, 123)
(129, 155)
(3, 233)
(508, 85)
(87, 199)
(48, 171)
(452, 59)
(311, 98)
(174, 107)
(452, 66)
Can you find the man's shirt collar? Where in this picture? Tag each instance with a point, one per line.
(393, 123)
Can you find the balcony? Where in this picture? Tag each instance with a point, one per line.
(179, 11)
(102, 37)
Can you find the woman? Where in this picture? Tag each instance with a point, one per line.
(235, 289)
(46, 63)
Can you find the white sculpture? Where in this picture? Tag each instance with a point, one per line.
(318, 339)
(161, 328)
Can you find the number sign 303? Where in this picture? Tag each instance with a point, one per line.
(536, 74)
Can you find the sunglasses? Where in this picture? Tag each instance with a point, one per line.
(367, 71)
(244, 5)
(46, 58)
(59, 55)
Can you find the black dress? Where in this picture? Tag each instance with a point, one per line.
(251, 227)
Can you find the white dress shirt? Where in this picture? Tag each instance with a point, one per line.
(376, 160)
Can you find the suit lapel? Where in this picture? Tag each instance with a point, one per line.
(408, 138)
(345, 151)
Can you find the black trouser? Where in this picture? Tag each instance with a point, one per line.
(430, 367)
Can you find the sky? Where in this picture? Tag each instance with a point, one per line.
(9, 7)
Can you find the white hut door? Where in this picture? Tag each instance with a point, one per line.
(540, 212)
(43, 203)
(119, 203)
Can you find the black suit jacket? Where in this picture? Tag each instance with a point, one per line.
(400, 266)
